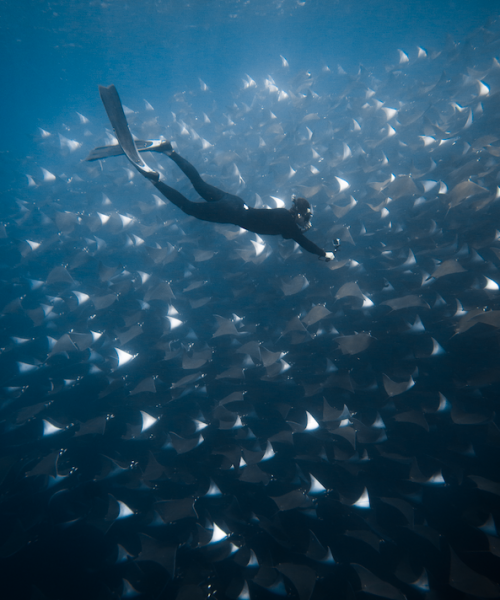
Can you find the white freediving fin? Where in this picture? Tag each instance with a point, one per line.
(114, 109)
(141, 145)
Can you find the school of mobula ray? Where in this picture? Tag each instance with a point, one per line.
(190, 410)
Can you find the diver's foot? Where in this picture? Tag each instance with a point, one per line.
(147, 172)
(165, 147)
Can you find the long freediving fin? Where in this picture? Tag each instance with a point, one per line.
(116, 150)
(118, 120)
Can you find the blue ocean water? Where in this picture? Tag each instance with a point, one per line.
(56, 53)
(190, 410)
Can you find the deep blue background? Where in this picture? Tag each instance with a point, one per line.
(54, 54)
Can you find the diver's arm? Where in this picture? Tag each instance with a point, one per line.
(308, 245)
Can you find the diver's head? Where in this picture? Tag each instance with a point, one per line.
(302, 212)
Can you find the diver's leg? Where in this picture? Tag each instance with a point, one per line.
(208, 192)
(174, 196)
(114, 109)
(200, 210)
(229, 210)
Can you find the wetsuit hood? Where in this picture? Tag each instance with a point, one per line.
(302, 213)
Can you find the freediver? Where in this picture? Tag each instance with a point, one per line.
(220, 206)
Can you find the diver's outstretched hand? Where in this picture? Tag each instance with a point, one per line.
(118, 120)
(331, 255)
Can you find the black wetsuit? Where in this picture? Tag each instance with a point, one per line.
(222, 207)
